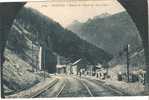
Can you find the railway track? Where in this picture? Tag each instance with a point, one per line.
(50, 91)
(95, 91)
(66, 91)
(86, 86)
(35, 90)
(60, 91)
(71, 90)
(43, 90)
(110, 88)
(75, 87)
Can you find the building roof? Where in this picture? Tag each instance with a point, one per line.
(76, 62)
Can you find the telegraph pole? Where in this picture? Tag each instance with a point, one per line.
(44, 54)
(32, 55)
(127, 51)
(37, 63)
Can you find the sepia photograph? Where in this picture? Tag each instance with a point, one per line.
(74, 48)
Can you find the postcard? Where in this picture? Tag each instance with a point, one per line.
(74, 48)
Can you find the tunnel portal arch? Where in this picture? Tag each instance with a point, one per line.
(137, 9)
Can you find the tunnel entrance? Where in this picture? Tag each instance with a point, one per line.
(143, 27)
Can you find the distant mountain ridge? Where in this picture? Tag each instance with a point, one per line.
(103, 15)
(109, 32)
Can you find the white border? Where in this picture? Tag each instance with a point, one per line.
(89, 98)
(21, 0)
(84, 98)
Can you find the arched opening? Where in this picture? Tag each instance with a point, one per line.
(144, 37)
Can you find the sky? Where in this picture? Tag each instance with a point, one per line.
(66, 12)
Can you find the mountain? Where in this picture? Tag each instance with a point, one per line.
(109, 32)
(32, 30)
(103, 15)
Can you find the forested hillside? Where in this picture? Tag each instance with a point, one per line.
(32, 30)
